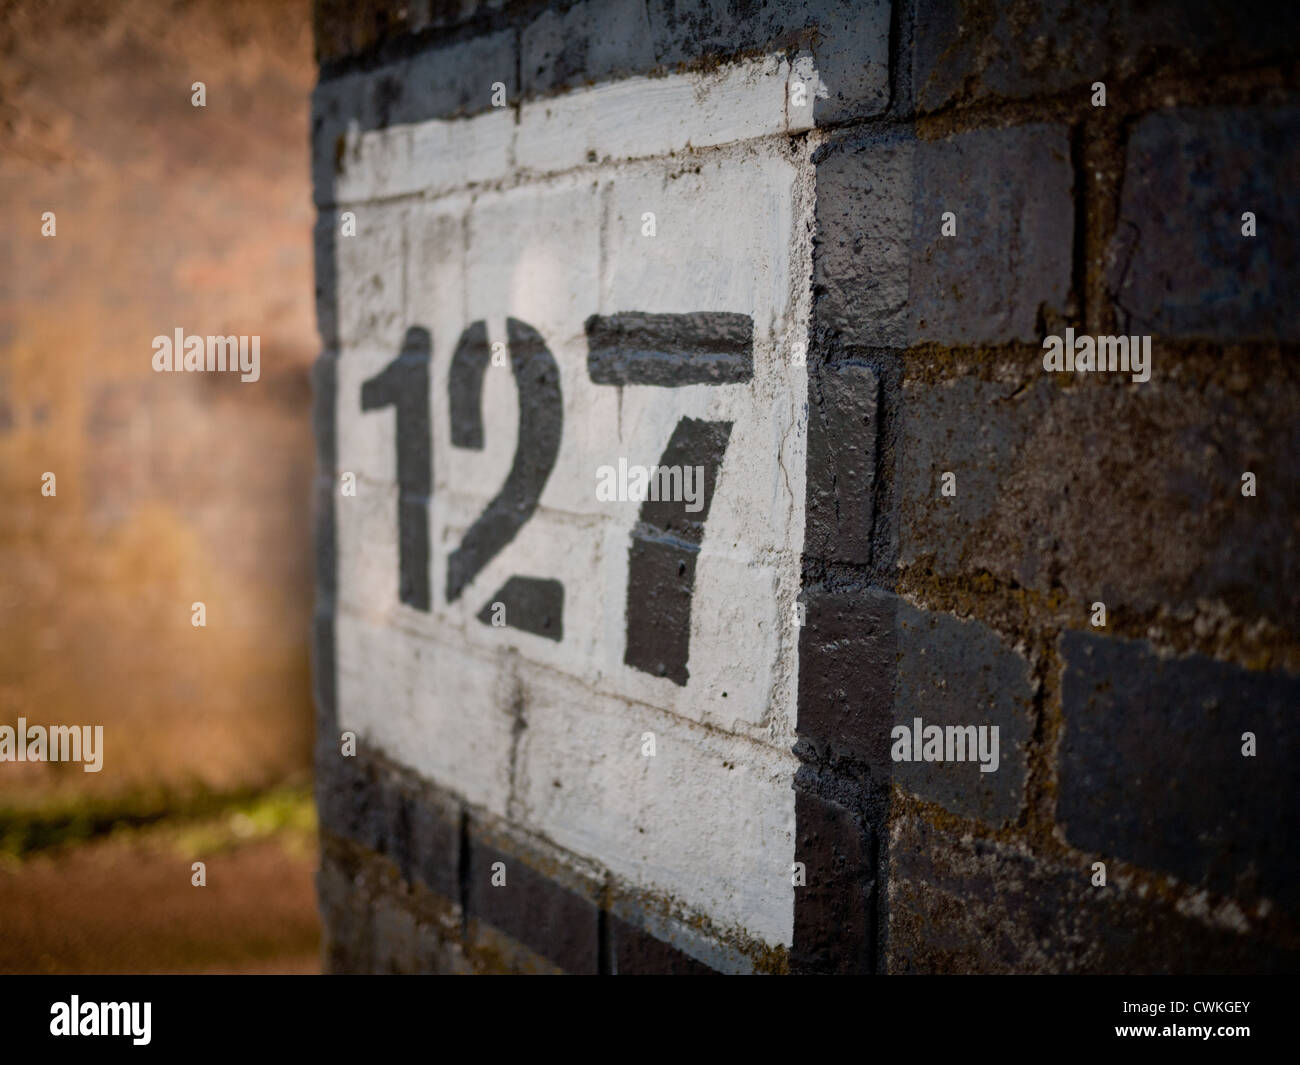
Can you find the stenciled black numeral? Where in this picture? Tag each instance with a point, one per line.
(532, 604)
(665, 544)
(671, 351)
(404, 385)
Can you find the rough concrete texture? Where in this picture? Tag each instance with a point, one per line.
(960, 904)
(565, 46)
(840, 585)
(171, 488)
(973, 51)
(842, 437)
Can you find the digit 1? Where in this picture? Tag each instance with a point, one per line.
(404, 385)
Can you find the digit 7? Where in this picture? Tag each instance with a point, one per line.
(670, 351)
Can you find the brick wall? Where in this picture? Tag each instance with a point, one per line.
(801, 325)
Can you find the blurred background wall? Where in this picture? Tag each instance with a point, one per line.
(171, 488)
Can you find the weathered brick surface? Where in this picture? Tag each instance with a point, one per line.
(587, 42)
(557, 920)
(874, 662)
(1152, 769)
(376, 922)
(1010, 260)
(1179, 263)
(958, 673)
(960, 904)
(1049, 498)
(862, 261)
(848, 651)
(634, 953)
(563, 46)
(406, 886)
(392, 814)
(848, 39)
(885, 273)
(835, 918)
(969, 51)
(843, 428)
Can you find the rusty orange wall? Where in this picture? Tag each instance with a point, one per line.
(171, 487)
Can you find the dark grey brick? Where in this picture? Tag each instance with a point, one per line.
(432, 845)
(588, 42)
(374, 922)
(447, 82)
(345, 915)
(848, 649)
(834, 913)
(1151, 768)
(544, 915)
(345, 28)
(637, 953)
(324, 380)
(960, 673)
(326, 274)
(842, 433)
(978, 430)
(849, 41)
(392, 813)
(885, 276)
(568, 44)
(870, 661)
(966, 51)
(325, 545)
(1011, 192)
(864, 230)
(1179, 265)
(1048, 496)
(323, 676)
(969, 49)
(961, 905)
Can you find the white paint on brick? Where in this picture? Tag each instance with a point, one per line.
(803, 73)
(370, 267)
(710, 823)
(428, 157)
(710, 815)
(430, 702)
(634, 118)
(639, 117)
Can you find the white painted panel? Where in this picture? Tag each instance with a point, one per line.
(710, 822)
